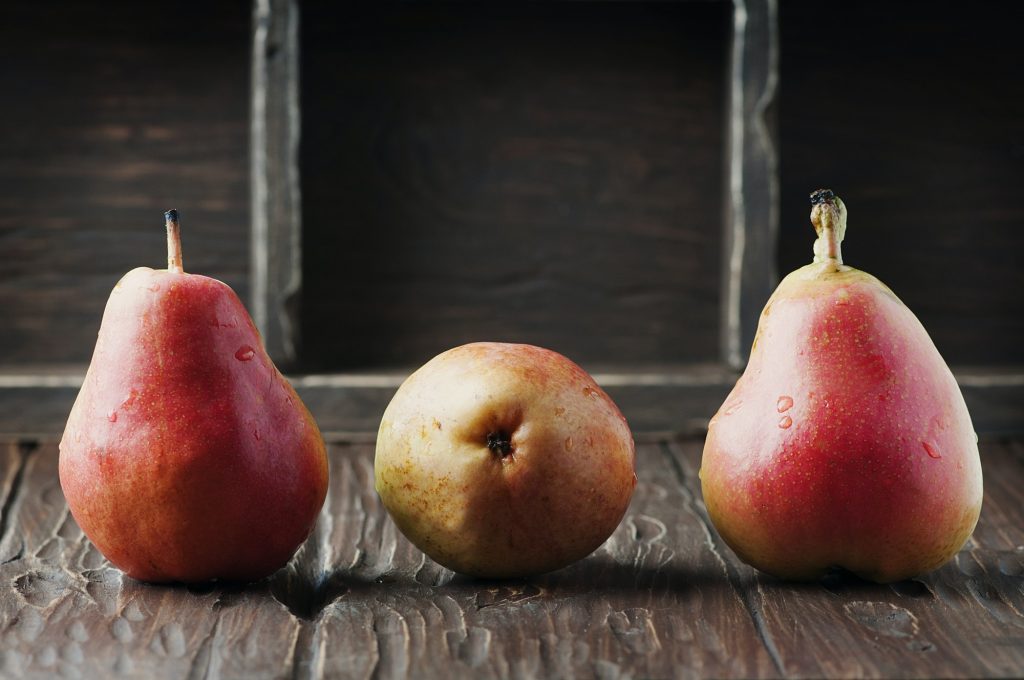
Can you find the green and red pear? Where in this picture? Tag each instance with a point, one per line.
(504, 460)
(846, 443)
(187, 456)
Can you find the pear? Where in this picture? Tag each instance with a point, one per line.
(502, 460)
(846, 443)
(187, 456)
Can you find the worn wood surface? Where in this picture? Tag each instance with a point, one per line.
(662, 598)
(912, 113)
(111, 115)
(274, 174)
(752, 207)
(539, 172)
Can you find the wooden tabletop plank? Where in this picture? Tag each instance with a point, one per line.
(654, 601)
(35, 401)
(664, 597)
(963, 620)
(12, 465)
(65, 611)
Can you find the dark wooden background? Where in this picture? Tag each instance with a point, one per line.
(545, 173)
(537, 172)
(112, 113)
(914, 114)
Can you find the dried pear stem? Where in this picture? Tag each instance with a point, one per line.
(173, 242)
(828, 215)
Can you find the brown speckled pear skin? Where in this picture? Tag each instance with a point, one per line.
(846, 442)
(187, 456)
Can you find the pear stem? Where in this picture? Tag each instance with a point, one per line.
(173, 242)
(828, 215)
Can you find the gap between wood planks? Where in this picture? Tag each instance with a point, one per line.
(717, 547)
(25, 449)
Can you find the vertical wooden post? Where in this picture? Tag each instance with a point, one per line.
(752, 204)
(276, 206)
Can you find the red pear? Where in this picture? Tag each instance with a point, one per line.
(846, 442)
(187, 455)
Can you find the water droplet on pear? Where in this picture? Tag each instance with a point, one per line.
(784, 404)
(785, 422)
(245, 353)
(129, 401)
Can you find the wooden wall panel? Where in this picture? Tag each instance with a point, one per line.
(912, 113)
(111, 114)
(548, 173)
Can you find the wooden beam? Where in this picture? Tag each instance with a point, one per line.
(678, 399)
(752, 204)
(276, 205)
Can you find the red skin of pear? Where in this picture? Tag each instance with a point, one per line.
(846, 442)
(187, 456)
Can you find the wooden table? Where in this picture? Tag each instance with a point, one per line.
(662, 598)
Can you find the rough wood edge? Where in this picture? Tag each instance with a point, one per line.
(276, 255)
(752, 205)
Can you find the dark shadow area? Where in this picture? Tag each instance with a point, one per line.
(307, 597)
(598, 576)
(841, 582)
(911, 112)
(477, 170)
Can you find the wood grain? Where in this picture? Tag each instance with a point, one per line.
(911, 113)
(662, 598)
(653, 601)
(274, 172)
(66, 612)
(964, 619)
(537, 172)
(752, 216)
(112, 115)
